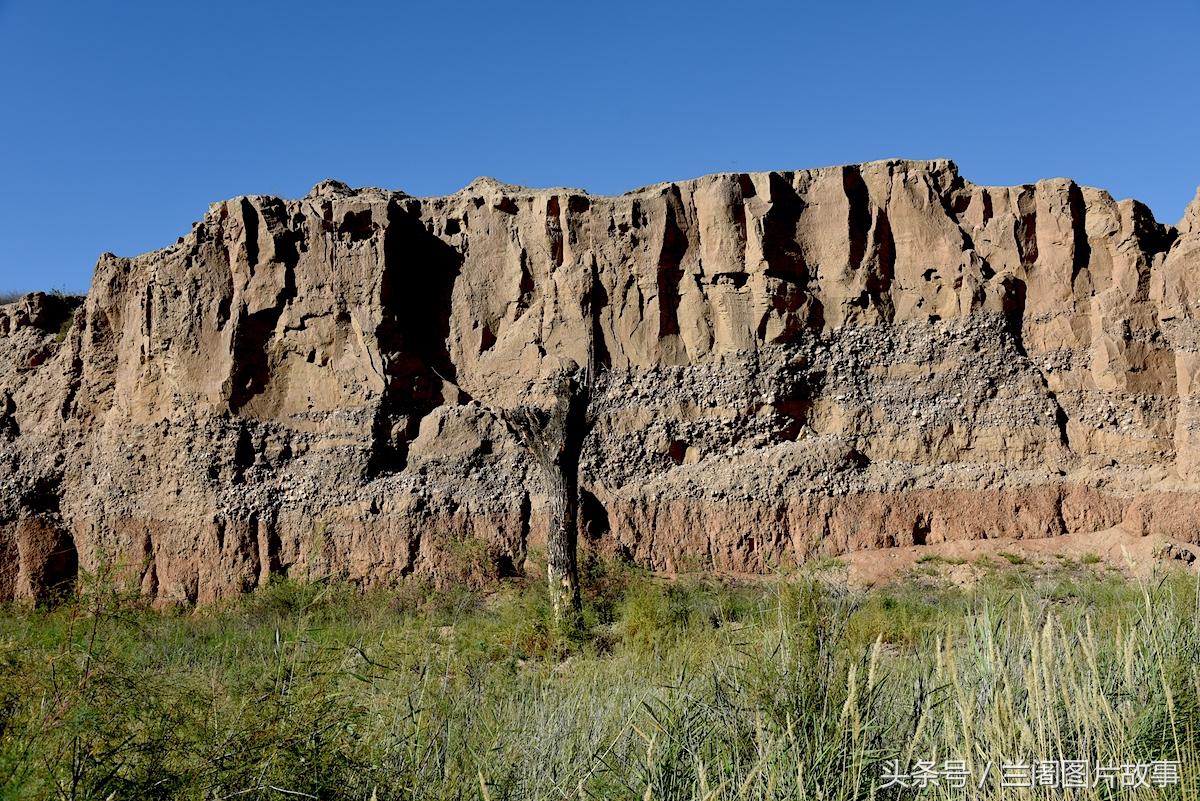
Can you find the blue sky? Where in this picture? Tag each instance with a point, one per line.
(123, 121)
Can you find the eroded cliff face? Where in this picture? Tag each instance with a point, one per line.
(794, 364)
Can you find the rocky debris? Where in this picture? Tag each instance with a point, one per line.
(1175, 550)
(791, 364)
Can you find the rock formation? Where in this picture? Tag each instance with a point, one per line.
(794, 364)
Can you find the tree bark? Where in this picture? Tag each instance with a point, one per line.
(554, 439)
(562, 568)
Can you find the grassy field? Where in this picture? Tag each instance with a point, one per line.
(791, 687)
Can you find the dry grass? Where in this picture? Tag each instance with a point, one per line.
(682, 690)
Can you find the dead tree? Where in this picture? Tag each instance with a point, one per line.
(553, 436)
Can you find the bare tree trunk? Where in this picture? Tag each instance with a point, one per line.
(554, 438)
(562, 568)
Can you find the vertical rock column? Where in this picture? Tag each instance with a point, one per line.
(1180, 313)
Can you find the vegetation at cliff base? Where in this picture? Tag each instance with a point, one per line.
(694, 688)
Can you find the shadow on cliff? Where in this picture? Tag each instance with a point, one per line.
(38, 558)
(416, 290)
(253, 333)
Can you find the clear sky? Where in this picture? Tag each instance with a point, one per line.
(122, 121)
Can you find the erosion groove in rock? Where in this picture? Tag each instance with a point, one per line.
(794, 364)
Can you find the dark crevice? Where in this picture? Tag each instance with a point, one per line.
(883, 252)
(244, 454)
(637, 215)
(921, 529)
(735, 280)
(1014, 310)
(356, 226)
(150, 571)
(526, 287)
(781, 248)
(1060, 420)
(884, 246)
(223, 309)
(270, 548)
(42, 496)
(1152, 238)
(554, 230)
(597, 301)
(9, 428)
(593, 517)
(738, 212)
(962, 202)
(250, 222)
(74, 376)
(859, 220)
(417, 283)
(503, 567)
(670, 269)
(487, 339)
(1083, 249)
(44, 546)
(59, 570)
(253, 333)
(795, 412)
(1026, 227)
(856, 459)
(251, 368)
(746, 185)
(576, 221)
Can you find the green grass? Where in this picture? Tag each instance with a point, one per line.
(938, 559)
(689, 689)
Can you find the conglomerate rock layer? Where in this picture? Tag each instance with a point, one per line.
(790, 365)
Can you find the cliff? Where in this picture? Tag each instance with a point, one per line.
(793, 364)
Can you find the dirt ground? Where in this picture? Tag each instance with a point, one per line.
(963, 562)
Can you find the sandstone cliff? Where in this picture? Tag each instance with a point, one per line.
(795, 364)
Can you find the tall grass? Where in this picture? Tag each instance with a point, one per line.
(683, 690)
